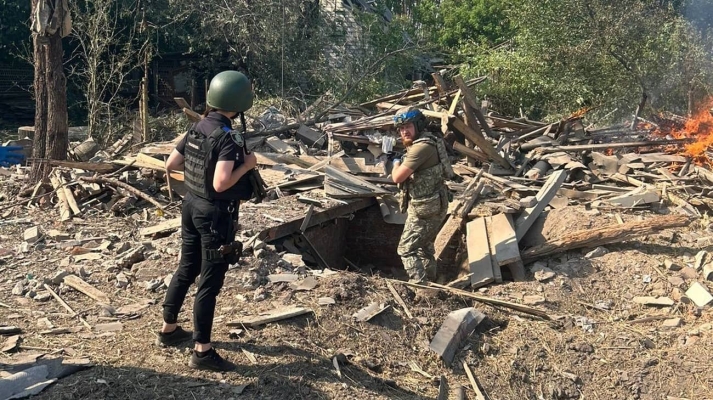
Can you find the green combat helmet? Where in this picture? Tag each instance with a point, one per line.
(230, 91)
(410, 114)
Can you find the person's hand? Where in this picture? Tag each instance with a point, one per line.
(250, 160)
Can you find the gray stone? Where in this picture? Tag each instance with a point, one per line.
(42, 296)
(122, 280)
(153, 284)
(598, 252)
(19, 289)
(58, 277)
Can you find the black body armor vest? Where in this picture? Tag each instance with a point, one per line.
(201, 158)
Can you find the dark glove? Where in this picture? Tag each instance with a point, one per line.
(394, 156)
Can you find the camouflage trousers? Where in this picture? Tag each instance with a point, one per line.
(416, 248)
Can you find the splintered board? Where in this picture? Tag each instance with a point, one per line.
(340, 184)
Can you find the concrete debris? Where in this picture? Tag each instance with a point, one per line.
(689, 273)
(122, 281)
(533, 300)
(671, 323)
(31, 235)
(153, 284)
(10, 344)
(19, 289)
(653, 301)
(598, 252)
(671, 266)
(699, 295)
(131, 257)
(541, 272)
(42, 296)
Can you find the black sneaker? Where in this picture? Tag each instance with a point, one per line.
(211, 361)
(178, 336)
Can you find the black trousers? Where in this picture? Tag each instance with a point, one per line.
(204, 225)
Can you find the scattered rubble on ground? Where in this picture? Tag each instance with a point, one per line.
(575, 262)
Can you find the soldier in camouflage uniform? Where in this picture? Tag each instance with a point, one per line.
(421, 177)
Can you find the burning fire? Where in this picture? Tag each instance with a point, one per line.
(700, 128)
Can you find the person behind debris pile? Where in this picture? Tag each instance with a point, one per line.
(421, 177)
(216, 165)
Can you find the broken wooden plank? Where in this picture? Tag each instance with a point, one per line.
(457, 327)
(447, 235)
(479, 262)
(64, 210)
(503, 240)
(604, 235)
(69, 196)
(273, 316)
(473, 382)
(339, 184)
(544, 196)
(398, 299)
(80, 285)
(370, 311)
(635, 198)
(320, 165)
(484, 299)
(165, 226)
(480, 141)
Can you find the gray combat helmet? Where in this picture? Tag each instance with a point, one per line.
(230, 91)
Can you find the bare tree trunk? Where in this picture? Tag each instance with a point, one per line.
(39, 144)
(50, 87)
(57, 130)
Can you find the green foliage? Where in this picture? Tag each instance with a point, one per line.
(575, 53)
(14, 25)
(450, 23)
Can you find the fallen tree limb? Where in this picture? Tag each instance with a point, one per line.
(125, 186)
(605, 235)
(483, 299)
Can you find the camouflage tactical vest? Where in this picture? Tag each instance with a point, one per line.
(428, 183)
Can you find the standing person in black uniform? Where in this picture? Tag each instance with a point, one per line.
(216, 168)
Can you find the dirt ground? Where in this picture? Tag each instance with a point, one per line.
(598, 345)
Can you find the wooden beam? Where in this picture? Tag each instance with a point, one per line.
(480, 141)
(543, 197)
(603, 146)
(469, 96)
(478, 155)
(479, 262)
(165, 226)
(80, 285)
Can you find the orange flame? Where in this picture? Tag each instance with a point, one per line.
(700, 128)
